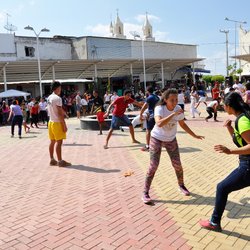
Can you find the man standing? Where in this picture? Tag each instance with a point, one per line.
(150, 103)
(57, 127)
(120, 104)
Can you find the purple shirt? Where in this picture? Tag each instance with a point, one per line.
(16, 109)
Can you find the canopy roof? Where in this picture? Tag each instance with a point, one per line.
(17, 71)
(13, 93)
(245, 57)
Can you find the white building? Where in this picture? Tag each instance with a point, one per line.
(108, 59)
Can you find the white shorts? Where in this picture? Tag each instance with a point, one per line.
(202, 99)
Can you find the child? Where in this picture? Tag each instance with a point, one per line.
(167, 114)
(100, 117)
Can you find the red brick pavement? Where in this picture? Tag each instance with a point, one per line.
(90, 205)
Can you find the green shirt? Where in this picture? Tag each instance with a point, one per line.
(243, 125)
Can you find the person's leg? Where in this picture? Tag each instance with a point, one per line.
(100, 127)
(210, 114)
(215, 116)
(19, 123)
(13, 122)
(108, 137)
(59, 150)
(238, 179)
(155, 154)
(132, 133)
(51, 149)
(174, 155)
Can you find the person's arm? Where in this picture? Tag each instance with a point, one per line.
(108, 109)
(163, 121)
(228, 125)
(245, 150)
(185, 127)
(138, 104)
(144, 107)
(10, 114)
(61, 114)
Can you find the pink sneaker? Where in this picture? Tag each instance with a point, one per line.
(210, 226)
(146, 198)
(184, 190)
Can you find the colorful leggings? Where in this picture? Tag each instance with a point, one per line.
(155, 154)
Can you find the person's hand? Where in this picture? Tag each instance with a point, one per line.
(200, 137)
(222, 149)
(178, 112)
(228, 123)
(65, 129)
(105, 115)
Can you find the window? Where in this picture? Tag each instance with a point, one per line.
(29, 51)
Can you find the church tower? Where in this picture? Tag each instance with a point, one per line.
(148, 30)
(118, 28)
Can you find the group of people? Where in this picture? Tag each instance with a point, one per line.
(164, 114)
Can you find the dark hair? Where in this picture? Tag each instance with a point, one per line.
(127, 91)
(235, 101)
(166, 94)
(150, 89)
(247, 86)
(14, 102)
(55, 85)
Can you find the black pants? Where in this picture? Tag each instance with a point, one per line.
(34, 119)
(238, 179)
(43, 116)
(17, 119)
(210, 112)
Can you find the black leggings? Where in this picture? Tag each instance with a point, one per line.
(210, 112)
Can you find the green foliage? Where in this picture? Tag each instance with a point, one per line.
(219, 78)
(207, 78)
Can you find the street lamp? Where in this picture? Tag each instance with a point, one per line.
(226, 33)
(38, 55)
(136, 34)
(235, 34)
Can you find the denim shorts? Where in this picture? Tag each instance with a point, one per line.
(119, 120)
(150, 123)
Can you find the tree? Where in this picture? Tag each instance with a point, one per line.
(207, 78)
(219, 78)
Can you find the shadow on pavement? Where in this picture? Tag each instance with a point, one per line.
(93, 169)
(32, 132)
(189, 150)
(197, 199)
(76, 144)
(29, 137)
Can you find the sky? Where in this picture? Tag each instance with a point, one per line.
(187, 22)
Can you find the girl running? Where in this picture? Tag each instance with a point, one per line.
(167, 114)
(240, 177)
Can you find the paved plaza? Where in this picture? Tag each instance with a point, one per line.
(91, 205)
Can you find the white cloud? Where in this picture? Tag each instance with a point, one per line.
(32, 2)
(141, 18)
(98, 30)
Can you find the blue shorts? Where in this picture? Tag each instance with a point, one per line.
(120, 120)
(78, 107)
(150, 123)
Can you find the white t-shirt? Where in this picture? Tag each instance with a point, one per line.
(53, 102)
(84, 102)
(114, 97)
(42, 106)
(181, 98)
(211, 104)
(168, 131)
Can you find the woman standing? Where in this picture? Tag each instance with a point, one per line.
(166, 115)
(17, 118)
(34, 111)
(240, 177)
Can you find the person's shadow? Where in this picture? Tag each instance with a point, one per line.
(93, 169)
(197, 199)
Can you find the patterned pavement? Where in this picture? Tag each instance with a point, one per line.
(91, 205)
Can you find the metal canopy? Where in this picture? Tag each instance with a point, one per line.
(245, 57)
(21, 71)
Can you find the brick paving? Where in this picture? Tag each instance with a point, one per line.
(91, 205)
